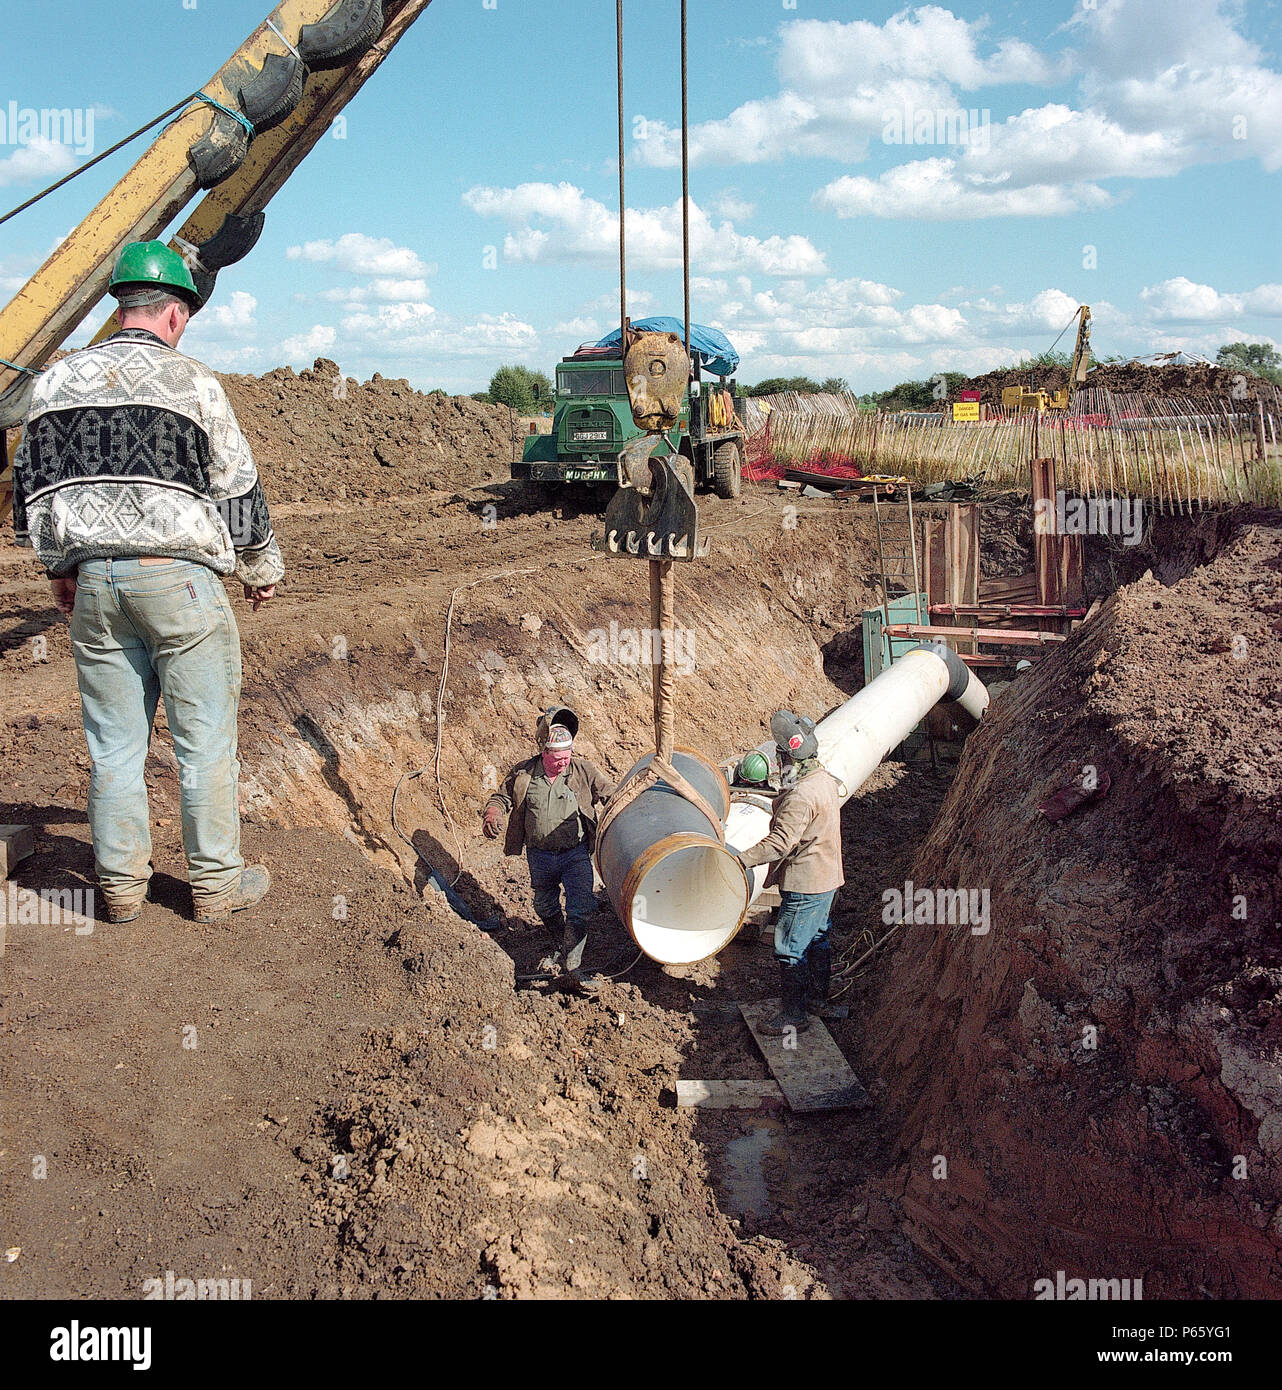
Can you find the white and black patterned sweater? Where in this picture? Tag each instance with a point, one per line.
(130, 448)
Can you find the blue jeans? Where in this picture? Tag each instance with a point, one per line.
(549, 869)
(804, 918)
(137, 632)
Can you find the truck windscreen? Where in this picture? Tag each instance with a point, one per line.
(600, 381)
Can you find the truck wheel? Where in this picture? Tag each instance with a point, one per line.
(727, 468)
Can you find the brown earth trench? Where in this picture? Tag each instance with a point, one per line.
(349, 1091)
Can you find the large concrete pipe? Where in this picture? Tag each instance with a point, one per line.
(677, 890)
(675, 886)
(681, 893)
(856, 736)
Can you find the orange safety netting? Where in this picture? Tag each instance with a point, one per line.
(762, 466)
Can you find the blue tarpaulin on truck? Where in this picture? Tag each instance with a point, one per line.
(711, 347)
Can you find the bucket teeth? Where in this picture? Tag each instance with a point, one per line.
(659, 523)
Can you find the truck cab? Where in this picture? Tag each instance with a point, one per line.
(593, 421)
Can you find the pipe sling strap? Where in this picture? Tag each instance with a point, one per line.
(660, 768)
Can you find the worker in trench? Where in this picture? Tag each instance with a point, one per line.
(139, 494)
(551, 806)
(803, 847)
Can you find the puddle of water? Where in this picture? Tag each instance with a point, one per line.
(744, 1189)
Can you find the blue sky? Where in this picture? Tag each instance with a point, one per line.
(878, 192)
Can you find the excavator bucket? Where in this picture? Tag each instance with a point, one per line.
(653, 515)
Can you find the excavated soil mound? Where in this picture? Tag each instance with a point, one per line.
(1126, 378)
(320, 435)
(1100, 1071)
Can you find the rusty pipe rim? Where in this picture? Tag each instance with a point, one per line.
(660, 850)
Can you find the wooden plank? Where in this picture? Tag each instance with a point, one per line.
(934, 570)
(16, 843)
(1006, 610)
(811, 1071)
(1008, 588)
(962, 553)
(727, 1095)
(1045, 539)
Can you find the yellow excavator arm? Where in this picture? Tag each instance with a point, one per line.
(1081, 350)
(239, 140)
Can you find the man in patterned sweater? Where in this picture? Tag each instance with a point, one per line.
(138, 491)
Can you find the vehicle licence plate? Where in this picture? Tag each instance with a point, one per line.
(591, 434)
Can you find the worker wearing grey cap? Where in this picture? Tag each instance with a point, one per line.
(803, 846)
(551, 805)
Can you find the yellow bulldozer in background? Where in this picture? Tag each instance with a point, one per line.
(1024, 398)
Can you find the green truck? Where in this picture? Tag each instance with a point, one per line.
(593, 421)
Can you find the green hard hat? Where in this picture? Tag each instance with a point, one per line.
(753, 767)
(152, 263)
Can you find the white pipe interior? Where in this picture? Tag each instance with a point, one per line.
(690, 904)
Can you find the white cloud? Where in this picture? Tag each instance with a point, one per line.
(236, 317)
(874, 334)
(39, 160)
(582, 329)
(640, 302)
(1054, 142)
(1048, 311)
(225, 333)
(928, 43)
(1181, 300)
(559, 222)
(936, 190)
(417, 331)
(365, 255)
(305, 347)
(1185, 69)
(1159, 88)
(839, 81)
(730, 205)
(390, 318)
(223, 357)
(383, 289)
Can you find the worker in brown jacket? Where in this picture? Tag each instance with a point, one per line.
(550, 802)
(804, 847)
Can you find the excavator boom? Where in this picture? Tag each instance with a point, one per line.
(246, 132)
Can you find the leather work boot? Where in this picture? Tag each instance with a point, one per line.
(118, 910)
(553, 960)
(250, 889)
(793, 981)
(126, 909)
(574, 943)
